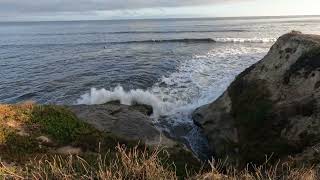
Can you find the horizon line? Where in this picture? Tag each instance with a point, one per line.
(169, 18)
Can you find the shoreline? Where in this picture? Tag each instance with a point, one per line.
(269, 110)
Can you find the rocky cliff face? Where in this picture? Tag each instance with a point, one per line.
(270, 108)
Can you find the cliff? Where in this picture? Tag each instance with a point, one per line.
(272, 108)
(31, 133)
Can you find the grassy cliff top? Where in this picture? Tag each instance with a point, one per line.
(49, 142)
(31, 132)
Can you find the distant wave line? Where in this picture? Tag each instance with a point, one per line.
(156, 41)
(175, 32)
(129, 32)
(201, 40)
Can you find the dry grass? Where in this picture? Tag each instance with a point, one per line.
(125, 164)
(116, 163)
(14, 117)
(262, 172)
(137, 164)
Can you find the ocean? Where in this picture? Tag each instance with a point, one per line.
(174, 65)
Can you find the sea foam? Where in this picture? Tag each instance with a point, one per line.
(200, 40)
(196, 81)
(101, 96)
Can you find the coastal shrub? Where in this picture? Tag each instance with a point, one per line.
(19, 142)
(181, 160)
(251, 110)
(22, 124)
(104, 155)
(14, 142)
(63, 126)
(309, 61)
(59, 123)
(4, 133)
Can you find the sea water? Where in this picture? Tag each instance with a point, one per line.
(173, 65)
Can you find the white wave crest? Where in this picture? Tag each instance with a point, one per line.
(245, 40)
(101, 96)
(196, 81)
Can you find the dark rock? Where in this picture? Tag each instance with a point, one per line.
(143, 108)
(274, 111)
(128, 122)
(133, 124)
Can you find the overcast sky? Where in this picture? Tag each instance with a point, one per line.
(34, 10)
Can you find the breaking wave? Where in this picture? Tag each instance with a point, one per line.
(176, 32)
(245, 40)
(197, 81)
(132, 32)
(202, 40)
(156, 41)
(137, 96)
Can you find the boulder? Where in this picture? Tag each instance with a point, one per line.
(133, 124)
(272, 108)
(128, 122)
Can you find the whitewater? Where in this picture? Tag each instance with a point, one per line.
(196, 82)
(173, 66)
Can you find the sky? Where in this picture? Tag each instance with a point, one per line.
(56, 10)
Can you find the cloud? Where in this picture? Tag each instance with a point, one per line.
(45, 6)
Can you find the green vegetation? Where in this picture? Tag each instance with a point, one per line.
(59, 124)
(251, 110)
(22, 126)
(307, 62)
(180, 161)
(23, 155)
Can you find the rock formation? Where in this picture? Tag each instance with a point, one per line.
(272, 108)
(128, 122)
(29, 132)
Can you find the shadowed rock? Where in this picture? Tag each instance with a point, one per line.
(129, 122)
(271, 107)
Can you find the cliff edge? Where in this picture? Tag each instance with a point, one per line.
(272, 108)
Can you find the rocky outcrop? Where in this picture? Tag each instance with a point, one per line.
(270, 108)
(134, 125)
(127, 122)
(29, 132)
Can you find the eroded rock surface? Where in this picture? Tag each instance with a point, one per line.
(270, 108)
(128, 122)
